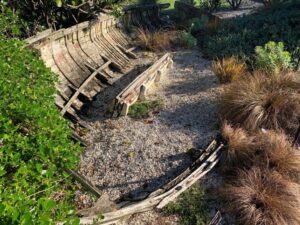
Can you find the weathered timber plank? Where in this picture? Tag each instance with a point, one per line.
(81, 179)
(75, 95)
(162, 199)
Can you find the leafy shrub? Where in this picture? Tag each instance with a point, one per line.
(190, 207)
(55, 14)
(261, 101)
(156, 40)
(240, 36)
(272, 57)
(210, 5)
(228, 69)
(235, 4)
(198, 24)
(186, 40)
(261, 196)
(34, 140)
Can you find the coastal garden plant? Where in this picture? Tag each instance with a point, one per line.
(228, 69)
(190, 207)
(35, 144)
(253, 164)
(239, 36)
(272, 58)
(262, 101)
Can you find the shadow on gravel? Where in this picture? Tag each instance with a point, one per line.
(146, 186)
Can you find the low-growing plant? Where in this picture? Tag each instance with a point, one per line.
(260, 101)
(186, 40)
(142, 109)
(190, 207)
(34, 140)
(210, 5)
(239, 36)
(272, 57)
(228, 69)
(261, 196)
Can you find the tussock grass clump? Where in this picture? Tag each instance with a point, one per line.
(228, 69)
(276, 153)
(261, 196)
(270, 150)
(240, 147)
(157, 40)
(260, 101)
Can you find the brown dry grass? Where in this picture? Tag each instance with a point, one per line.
(240, 147)
(270, 150)
(228, 69)
(156, 40)
(262, 197)
(261, 101)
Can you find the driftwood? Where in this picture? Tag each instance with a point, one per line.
(168, 193)
(217, 219)
(84, 182)
(88, 55)
(138, 87)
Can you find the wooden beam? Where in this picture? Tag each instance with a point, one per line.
(84, 182)
(209, 160)
(82, 86)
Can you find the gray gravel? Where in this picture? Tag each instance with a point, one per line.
(129, 156)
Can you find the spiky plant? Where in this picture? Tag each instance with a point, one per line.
(261, 101)
(228, 69)
(262, 197)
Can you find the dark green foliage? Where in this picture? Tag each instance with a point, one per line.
(34, 139)
(198, 24)
(142, 109)
(190, 207)
(186, 40)
(55, 14)
(240, 36)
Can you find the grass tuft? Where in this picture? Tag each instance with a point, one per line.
(260, 101)
(157, 40)
(260, 196)
(228, 69)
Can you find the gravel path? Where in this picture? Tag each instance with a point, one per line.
(132, 157)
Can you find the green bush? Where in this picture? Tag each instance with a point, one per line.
(272, 57)
(190, 207)
(186, 40)
(240, 36)
(142, 109)
(198, 24)
(34, 140)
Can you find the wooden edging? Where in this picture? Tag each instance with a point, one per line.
(168, 193)
(138, 87)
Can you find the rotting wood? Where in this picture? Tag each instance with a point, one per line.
(137, 88)
(210, 158)
(66, 51)
(83, 85)
(84, 182)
